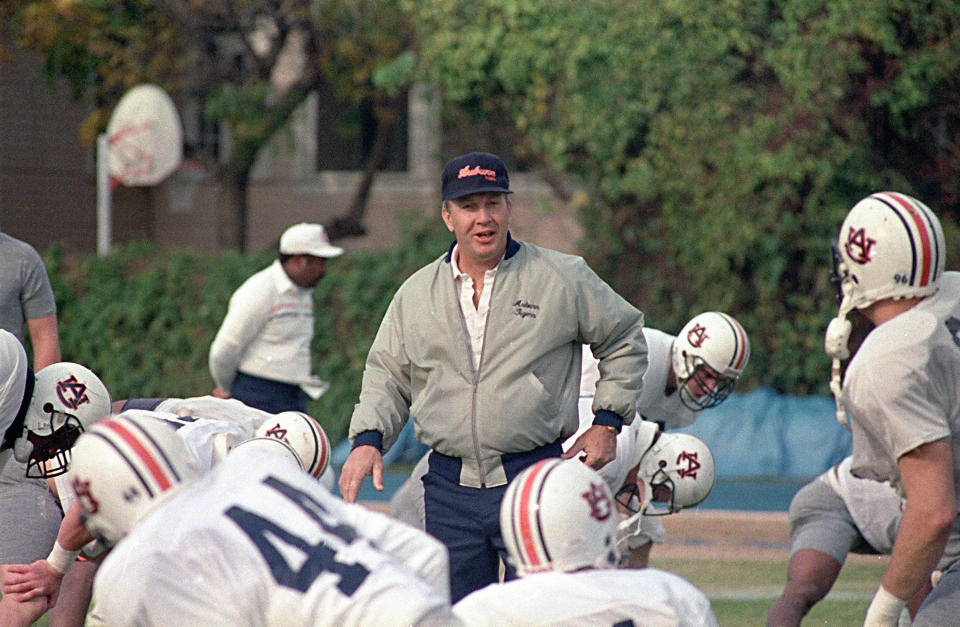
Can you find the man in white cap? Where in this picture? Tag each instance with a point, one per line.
(261, 354)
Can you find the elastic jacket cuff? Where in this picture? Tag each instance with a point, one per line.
(607, 418)
(370, 437)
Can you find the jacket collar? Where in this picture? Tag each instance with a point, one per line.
(512, 247)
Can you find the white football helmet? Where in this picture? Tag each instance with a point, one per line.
(122, 467)
(559, 515)
(273, 446)
(304, 434)
(890, 246)
(678, 471)
(67, 399)
(712, 339)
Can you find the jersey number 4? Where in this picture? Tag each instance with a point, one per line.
(320, 557)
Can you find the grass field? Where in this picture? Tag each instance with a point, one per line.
(741, 591)
(739, 560)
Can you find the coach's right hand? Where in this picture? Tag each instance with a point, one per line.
(363, 461)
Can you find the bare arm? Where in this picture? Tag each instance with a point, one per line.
(45, 340)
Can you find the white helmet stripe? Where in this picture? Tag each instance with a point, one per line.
(919, 233)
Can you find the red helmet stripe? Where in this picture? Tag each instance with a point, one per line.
(527, 512)
(925, 237)
(741, 336)
(159, 476)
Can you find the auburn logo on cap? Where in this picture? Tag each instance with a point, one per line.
(476, 170)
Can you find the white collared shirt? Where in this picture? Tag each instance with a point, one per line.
(475, 317)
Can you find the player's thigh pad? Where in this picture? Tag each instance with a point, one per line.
(29, 516)
(942, 605)
(819, 520)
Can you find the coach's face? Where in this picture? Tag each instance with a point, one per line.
(480, 223)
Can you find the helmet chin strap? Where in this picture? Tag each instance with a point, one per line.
(22, 447)
(836, 346)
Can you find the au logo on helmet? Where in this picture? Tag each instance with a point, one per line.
(278, 432)
(858, 245)
(692, 462)
(600, 505)
(72, 392)
(82, 490)
(697, 335)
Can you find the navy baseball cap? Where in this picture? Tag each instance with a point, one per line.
(472, 173)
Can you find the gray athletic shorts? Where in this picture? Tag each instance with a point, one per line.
(942, 606)
(29, 516)
(819, 520)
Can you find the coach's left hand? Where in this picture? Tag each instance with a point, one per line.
(596, 447)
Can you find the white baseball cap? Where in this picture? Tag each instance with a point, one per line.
(308, 239)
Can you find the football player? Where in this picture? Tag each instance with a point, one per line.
(560, 528)
(182, 540)
(209, 426)
(901, 390)
(36, 400)
(830, 517)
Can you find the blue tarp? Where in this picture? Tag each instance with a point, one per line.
(758, 434)
(407, 450)
(763, 434)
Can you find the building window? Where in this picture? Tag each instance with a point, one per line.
(346, 133)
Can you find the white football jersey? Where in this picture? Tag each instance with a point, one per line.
(224, 410)
(259, 542)
(213, 408)
(902, 390)
(875, 507)
(653, 404)
(647, 597)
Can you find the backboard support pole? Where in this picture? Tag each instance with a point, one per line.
(104, 209)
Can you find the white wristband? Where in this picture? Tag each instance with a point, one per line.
(884, 610)
(61, 559)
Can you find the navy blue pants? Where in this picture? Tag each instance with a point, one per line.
(467, 520)
(268, 395)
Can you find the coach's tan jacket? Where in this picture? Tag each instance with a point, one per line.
(523, 394)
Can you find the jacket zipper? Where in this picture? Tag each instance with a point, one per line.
(476, 379)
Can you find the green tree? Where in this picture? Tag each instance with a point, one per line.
(251, 64)
(712, 148)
